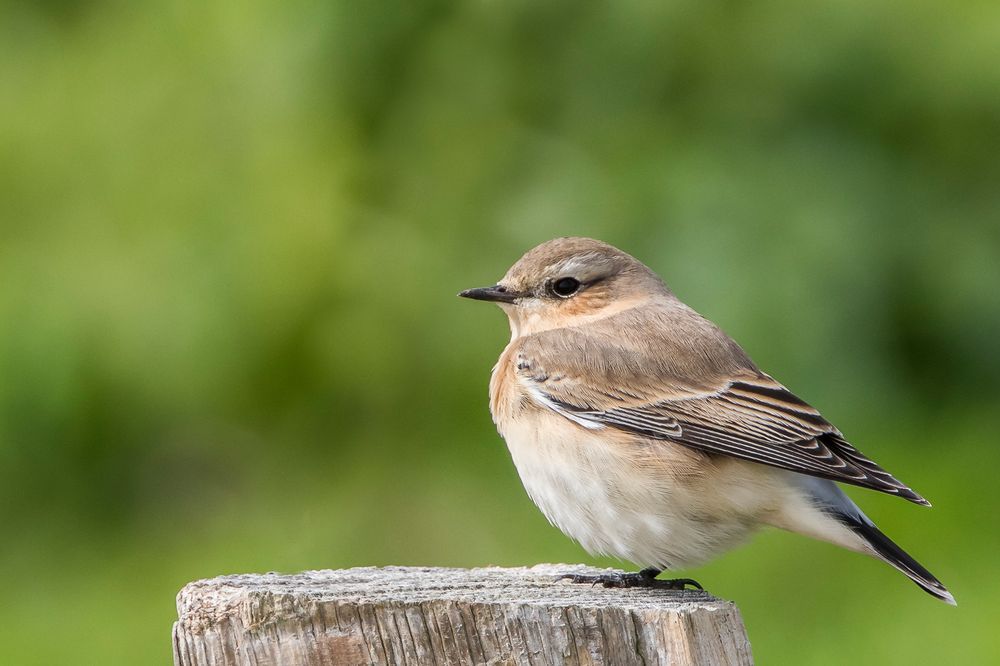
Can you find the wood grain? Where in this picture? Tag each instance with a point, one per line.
(406, 615)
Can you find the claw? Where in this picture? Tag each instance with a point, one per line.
(625, 580)
(681, 583)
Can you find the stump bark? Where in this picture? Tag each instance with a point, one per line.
(405, 615)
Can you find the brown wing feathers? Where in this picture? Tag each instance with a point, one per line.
(759, 420)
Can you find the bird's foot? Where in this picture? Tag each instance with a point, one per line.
(645, 578)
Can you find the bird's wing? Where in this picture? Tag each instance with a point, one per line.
(748, 415)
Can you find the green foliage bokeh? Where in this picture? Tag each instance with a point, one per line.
(231, 235)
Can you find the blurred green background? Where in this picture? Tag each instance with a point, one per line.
(231, 234)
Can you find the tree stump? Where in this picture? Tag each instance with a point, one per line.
(408, 615)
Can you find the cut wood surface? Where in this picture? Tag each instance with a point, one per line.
(408, 615)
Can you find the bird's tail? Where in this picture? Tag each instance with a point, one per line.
(829, 498)
(887, 550)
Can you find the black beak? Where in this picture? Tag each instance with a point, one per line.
(496, 293)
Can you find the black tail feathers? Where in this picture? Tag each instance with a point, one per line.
(897, 557)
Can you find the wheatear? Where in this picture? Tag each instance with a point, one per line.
(644, 432)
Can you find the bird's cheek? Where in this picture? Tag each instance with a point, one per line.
(584, 303)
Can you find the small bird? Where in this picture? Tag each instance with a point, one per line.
(643, 432)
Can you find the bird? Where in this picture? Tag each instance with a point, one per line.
(645, 433)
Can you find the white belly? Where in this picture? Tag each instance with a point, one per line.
(654, 504)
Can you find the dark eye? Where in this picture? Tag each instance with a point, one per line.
(565, 287)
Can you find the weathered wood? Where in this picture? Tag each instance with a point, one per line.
(403, 615)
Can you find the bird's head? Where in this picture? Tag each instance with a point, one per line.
(568, 281)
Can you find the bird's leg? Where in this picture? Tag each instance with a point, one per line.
(645, 578)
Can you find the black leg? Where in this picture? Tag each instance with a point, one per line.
(645, 578)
